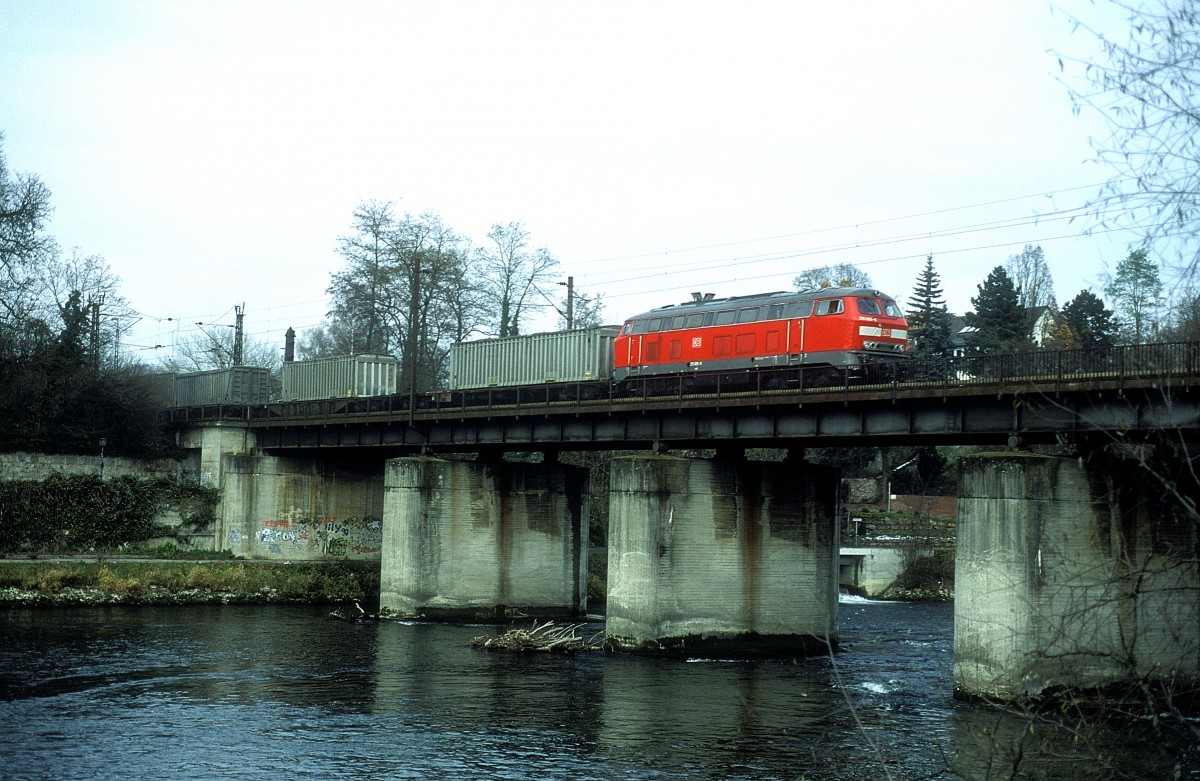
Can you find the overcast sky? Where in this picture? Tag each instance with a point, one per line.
(213, 152)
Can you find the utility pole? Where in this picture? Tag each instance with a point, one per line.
(238, 334)
(570, 285)
(95, 330)
(413, 307)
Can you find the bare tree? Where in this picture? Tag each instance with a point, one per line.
(1184, 322)
(406, 290)
(24, 209)
(515, 277)
(1146, 88)
(1136, 292)
(838, 275)
(362, 294)
(212, 347)
(1031, 275)
(99, 289)
(587, 310)
(334, 336)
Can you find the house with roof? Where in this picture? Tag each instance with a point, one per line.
(1045, 322)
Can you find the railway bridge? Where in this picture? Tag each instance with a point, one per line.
(1079, 571)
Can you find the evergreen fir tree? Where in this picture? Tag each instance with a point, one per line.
(928, 318)
(1090, 322)
(998, 319)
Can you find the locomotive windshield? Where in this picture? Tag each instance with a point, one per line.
(878, 306)
(869, 306)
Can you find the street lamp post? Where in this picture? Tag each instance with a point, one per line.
(103, 442)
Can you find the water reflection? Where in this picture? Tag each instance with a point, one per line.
(212, 692)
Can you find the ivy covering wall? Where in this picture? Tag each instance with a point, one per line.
(81, 513)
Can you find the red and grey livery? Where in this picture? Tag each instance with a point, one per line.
(841, 327)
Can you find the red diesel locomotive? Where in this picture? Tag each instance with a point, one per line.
(834, 327)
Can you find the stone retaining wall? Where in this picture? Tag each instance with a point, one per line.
(39, 466)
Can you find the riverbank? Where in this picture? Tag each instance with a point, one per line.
(67, 582)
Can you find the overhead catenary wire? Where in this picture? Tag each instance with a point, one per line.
(611, 280)
(858, 225)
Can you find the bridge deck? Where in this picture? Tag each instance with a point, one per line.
(1035, 397)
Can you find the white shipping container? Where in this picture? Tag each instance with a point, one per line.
(559, 356)
(340, 377)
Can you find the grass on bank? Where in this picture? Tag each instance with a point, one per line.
(134, 580)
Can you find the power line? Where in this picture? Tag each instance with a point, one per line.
(618, 277)
(850, 226)
(709, 264)
(917, 256)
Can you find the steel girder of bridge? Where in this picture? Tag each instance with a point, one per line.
(977, 414)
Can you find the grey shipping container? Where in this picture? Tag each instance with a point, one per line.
(236, 385)
(560, 356)
(162, 389)
(339, 377)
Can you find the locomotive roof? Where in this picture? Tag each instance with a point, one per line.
(779, 296)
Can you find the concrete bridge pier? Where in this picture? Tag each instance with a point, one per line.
(717, 556)
(287, 509)
(468, 539)
(1072, 579)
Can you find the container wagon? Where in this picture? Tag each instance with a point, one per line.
(559, 356)
(235, 385)
(340, 377)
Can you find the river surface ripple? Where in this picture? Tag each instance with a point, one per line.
(283, 692)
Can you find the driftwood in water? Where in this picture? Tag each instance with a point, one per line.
(358, 614)
(546, 637)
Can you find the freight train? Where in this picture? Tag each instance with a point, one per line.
(832, 334)
(846, 330)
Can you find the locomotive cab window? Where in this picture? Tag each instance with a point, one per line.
(869, 306)
(830, 306)
(655, 325)
(775, 312)
(628, 329)
(891, 310)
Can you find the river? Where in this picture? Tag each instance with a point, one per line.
(274, 692)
